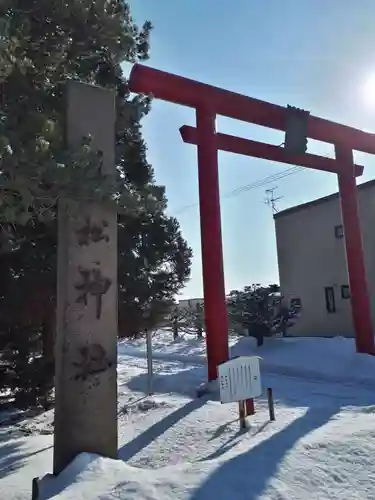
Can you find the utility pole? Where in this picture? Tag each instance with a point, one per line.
(271, 200)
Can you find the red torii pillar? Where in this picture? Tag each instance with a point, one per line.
(215, 308)
(210, 101)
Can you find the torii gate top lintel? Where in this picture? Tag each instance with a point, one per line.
(194, 94)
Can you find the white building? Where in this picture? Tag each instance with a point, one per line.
(312, 263)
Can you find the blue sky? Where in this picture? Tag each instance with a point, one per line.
(313, 54)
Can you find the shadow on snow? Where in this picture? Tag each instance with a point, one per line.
(252, 471)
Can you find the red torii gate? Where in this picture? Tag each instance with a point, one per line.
(209, 101)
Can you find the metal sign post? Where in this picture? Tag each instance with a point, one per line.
(150, 373)
(147, 315)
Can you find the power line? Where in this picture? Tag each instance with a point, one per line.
(253, 185)
(256, 184)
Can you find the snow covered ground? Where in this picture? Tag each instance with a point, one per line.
(175, 446)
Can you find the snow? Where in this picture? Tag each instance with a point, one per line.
(175, 446)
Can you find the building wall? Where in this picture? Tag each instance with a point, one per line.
(311, 257)
(187, 303)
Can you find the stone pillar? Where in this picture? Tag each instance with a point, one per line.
(86, 337)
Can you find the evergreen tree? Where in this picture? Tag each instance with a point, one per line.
(261, 311)
(44, 43)
(252, 309)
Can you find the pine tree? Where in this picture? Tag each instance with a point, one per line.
(44, 43)
(251, 308)
(261, 311)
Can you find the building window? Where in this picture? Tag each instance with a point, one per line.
(330, 299)
(339, 231)
(345, 292)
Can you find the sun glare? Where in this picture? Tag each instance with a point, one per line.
(369, 91)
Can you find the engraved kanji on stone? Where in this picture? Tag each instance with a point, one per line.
(92, 359)
(94, 284)
(91, 232)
